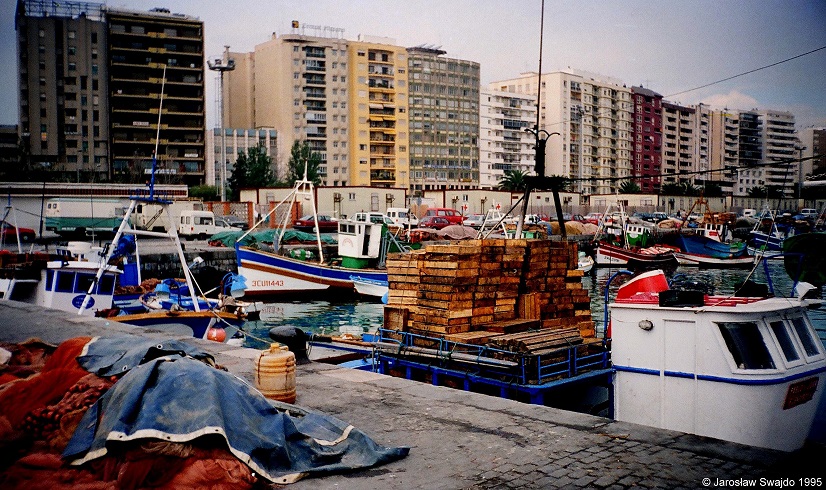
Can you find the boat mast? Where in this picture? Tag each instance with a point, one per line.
(157, 138)
(125, 228)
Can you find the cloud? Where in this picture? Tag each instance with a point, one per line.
(732, 100)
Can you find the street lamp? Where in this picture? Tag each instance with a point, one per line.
(555, 183)
(219, 66)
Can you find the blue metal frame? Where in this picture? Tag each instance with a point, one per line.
(523, 371)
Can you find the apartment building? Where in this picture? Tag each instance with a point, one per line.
(379, 143)
(589, 119)
(62, 88)
(236, 141)
(780, 150)
(443, 110)
(679, 141)
(504, 143)
(156, 77)
(297, 83)
(647, 135)
(91, 80)
(813, 150)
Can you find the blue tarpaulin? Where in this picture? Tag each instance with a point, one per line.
(176, 398)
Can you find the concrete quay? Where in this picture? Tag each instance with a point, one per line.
(462, 440)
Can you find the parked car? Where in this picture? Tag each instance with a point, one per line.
(326, 224)
(9, 233)
(593, 218)
(474, 221)
(231, 222)
(435, 222)
(453, 216)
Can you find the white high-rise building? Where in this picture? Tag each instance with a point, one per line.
(503, 142)
(779, 139)
(589, 119)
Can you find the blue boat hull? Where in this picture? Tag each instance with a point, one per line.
(268, 273)
(700, 245)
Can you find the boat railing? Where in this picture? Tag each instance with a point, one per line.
(486, 361)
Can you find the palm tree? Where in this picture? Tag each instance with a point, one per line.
(513, 180)
(629, 187)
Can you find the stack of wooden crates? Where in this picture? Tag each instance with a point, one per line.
(517, 294)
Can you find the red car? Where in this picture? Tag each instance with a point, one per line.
(436, 222)
(326, 224)
(9, 233)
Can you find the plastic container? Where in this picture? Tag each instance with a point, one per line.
(275, 373)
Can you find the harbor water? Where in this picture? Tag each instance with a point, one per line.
(356, 317)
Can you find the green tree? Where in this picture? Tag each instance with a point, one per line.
(672, 189)
(301, 157)
(629, 187)
(205, 192)
(757, 191)
(513, 180)
(252, 170)
(712, 189)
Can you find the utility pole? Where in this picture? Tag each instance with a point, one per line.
(219, 66)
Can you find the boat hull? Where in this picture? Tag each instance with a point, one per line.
(373, 289)
(704, 261)
(766, 242)
(198, 322)
(269, 274)
(608, 255)
(703, 246)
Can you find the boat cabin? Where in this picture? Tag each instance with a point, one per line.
(748, 370)
(60, 285)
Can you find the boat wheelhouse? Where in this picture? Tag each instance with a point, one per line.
(743, 369)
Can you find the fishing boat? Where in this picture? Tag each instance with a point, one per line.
(710, 262)
(618, 242)
(766, 236)
(362, 247)
(370, 288)
(584, 262)
(743, 369)
(206, 323)
(51, 281)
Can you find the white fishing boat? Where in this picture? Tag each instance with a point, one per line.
(585, 262)
(743, 369)
(363, 245)
(370, 287)
(50, 281)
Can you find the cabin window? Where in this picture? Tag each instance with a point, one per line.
(65, 282)
(746, 345)
(83, 282)
(106, 285)
(49, 280)
(803, 333)
(785, 340)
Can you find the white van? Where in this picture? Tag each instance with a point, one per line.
(402, 216)
(196, 224)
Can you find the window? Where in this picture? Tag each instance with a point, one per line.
(802, 331)
(746, 345)
(65, 282)
(784, 339)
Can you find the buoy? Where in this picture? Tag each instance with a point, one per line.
(217, 334)
(275, 373)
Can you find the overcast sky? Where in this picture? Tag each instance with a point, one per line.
(669, 46)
